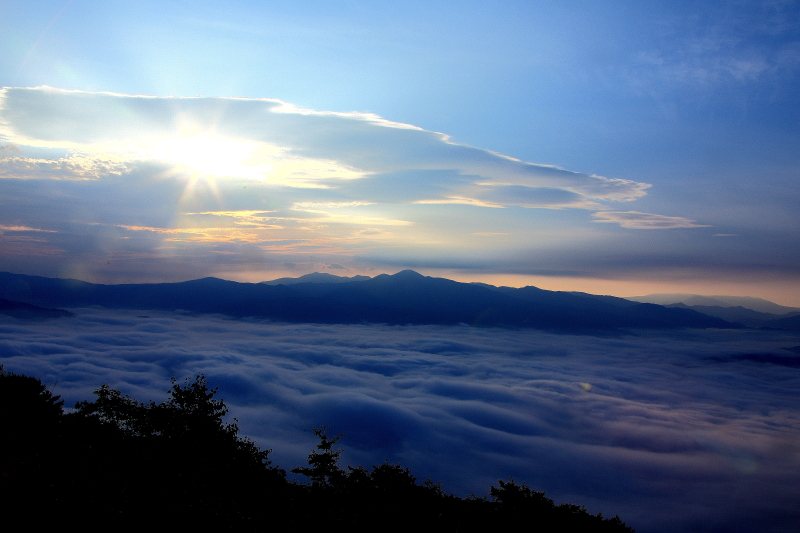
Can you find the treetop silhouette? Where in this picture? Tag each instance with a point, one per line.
(119, 462)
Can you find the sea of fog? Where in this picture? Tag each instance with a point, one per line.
(674, 431)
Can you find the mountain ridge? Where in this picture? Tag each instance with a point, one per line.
(25, 311)
(692, 300)
(403, 298)
(315, 277)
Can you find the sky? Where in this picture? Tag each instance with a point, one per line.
(618, 148)
(690, 431)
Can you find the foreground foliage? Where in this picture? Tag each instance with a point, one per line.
(121, 463)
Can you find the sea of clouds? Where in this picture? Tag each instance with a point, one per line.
(674, 431)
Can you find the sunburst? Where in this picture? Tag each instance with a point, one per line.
(211, 156)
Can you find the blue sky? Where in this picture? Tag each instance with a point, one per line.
(619, 148)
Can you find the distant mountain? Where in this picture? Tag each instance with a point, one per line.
(403, 298)
(315, 277)
(791, 323)
(737, 314)
(23, 311)
(691, 300)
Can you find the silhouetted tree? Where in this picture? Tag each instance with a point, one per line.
(29, 417)
(120, 463)
(184, 459)
(191, 415)
(323, 463)
(520, 498)
(519, 504)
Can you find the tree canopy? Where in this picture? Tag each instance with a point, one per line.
(116, 461)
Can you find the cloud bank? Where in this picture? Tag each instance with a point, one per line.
(269, 140)
(691, 431)
(254, 183)
(141, 189)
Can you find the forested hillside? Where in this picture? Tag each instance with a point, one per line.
(116, 462)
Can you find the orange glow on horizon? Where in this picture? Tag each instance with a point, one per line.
(783, 294)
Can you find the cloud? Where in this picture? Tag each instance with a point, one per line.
(673, 431)
(183, 179)
(488, 195)
(22, 228)
(723, 44)
(9, 149)
(74, 167)
(203, 234)
(136, 188)
(267, 139)
(637, 220)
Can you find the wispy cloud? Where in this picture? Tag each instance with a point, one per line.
(74, 167)
(637, 220)
(722, 44)
(23, 228)
(202, 234)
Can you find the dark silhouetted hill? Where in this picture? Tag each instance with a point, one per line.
(315, 277)
(690, 300)
(403, 298)
(23, 311)
(119, 464)
(737, 314)
(791, 323)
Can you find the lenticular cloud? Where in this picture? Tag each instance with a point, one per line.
(95, 134)
(674, 431)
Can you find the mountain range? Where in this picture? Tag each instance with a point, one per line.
(745, 310)
(23, 311)
(403, 298)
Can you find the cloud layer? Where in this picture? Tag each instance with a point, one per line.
(690, 431)
(192, 180)
(117, 188)
(271, 141)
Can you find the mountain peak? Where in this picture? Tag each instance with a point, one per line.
(408, 274)
(315, 277)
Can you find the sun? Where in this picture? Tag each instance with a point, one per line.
(211, 156)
